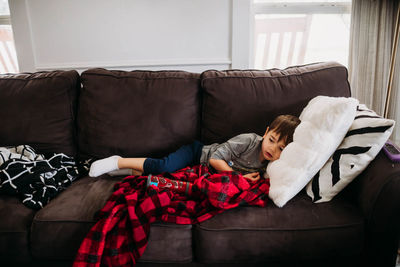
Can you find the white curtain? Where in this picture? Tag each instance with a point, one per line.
(371, 41)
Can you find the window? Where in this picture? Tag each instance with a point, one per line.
(8, 56)
(294, 32)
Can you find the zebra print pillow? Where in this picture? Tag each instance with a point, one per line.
(365, 138)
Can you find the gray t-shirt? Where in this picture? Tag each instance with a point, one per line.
(242, 153)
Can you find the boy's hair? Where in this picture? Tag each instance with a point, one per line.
(284, 125)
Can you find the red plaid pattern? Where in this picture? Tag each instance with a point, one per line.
(120, 236)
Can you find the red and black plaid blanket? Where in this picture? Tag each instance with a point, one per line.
(120, 236)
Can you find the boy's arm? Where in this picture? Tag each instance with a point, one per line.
(229, 150)
(220, 165)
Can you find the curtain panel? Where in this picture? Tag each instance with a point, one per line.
(371, 43)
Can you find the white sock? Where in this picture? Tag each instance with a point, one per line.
(103, 166)
(120, 172)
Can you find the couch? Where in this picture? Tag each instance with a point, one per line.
(102, 112)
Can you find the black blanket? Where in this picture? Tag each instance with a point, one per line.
(36, 178)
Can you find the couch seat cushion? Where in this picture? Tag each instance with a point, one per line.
(301, 230)
(59, 228)
(15, 223)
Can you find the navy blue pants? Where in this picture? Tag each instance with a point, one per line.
(183, 157)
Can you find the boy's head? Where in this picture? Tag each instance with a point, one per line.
(277, 136)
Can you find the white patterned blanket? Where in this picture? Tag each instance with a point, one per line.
(34, 178)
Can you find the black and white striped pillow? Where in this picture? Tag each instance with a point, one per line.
(365, 138)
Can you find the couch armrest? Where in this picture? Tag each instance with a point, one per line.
(378, 194)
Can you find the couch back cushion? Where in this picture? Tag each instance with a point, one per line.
(137, 113)
(39, 109)
(240, 101)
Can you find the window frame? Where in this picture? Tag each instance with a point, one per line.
(243, 13)
(5, 20)
(302, 8)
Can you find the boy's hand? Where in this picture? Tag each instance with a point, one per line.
(253, 177)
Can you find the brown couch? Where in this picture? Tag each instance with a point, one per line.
(146, 113)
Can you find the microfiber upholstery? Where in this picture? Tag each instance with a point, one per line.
(15, 225)
(137, 113)
(301, 230)
(240, 101)
(69, 218)
(39, 109)
(59, 228)
(169, 243)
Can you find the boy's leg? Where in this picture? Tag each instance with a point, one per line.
(135, 165)
(131, 163)
(183, 157)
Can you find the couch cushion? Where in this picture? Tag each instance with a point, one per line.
(137, 113)
(59, 228)
(39, 109)
(169, 243)
(239, 101)
(15, 224)
(301, 230)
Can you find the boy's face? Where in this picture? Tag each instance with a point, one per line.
(271, 148)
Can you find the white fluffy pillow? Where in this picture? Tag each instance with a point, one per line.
(365, 138)
(324, 123)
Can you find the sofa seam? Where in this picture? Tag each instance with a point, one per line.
(347, 81)
(72, 119)
(40, 78)
(280, 229)
(12, 232)
(138, 70)
(275, 68)
(189, 260)
(63, 221)
(270, 77)
(69, 221)
(138, 78)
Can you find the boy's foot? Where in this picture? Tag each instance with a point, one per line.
(103, 166)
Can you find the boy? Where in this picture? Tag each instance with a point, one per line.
(247, 154)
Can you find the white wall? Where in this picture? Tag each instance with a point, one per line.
(128, 34)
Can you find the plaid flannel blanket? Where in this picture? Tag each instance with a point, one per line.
(120, 236)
